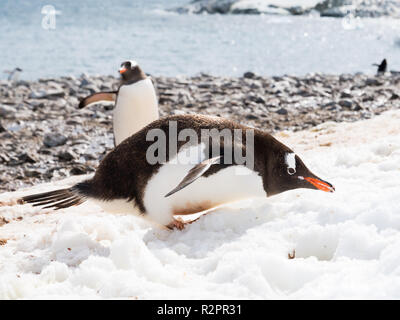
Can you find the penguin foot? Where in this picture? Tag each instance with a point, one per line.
(176, 224)
(293, 255)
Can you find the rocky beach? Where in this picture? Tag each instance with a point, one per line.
(44, 136)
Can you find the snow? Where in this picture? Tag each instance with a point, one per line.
(263, 5)
(347, 243)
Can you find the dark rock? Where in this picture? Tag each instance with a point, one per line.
(346, 94)
(249, 75)
(329, 104)
(334, 107)
(36, 105)
(373, 82)
(346, 104)
(54, 140)
(27, 158)
(32, 173)
(259, 99)
(304, 93)
(297, 10)
(282, 111)
(255, 98)
(251, 116)
(14, 161)
(204, 85)
(44, 151)
(84, 82)
(80, 169)
(367, 98)
(66, 156)
(108, 107)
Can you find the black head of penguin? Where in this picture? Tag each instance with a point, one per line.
(131, 72)
(286, 171)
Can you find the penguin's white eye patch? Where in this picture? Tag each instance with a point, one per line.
(290, 159)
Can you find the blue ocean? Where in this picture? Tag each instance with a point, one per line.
(93, 37)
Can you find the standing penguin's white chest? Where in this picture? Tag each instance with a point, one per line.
(227, 185)
(136, 107)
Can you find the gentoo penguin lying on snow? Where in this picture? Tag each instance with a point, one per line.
(136, 102)
(126, 181)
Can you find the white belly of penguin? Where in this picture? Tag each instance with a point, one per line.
(227, 185)
(117, 206)
(136, 107)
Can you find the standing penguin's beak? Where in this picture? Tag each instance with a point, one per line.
(122, 70)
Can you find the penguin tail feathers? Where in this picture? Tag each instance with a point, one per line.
(59, 199)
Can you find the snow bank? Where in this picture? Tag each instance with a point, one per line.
(347, 244)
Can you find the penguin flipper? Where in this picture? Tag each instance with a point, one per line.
(98, 97)
(194, 173)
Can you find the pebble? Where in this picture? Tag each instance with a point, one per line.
(346, 104)
(54, 139)
(48, 94)
(6, 111)
(249, 75)
(282, 111)
(66, 156)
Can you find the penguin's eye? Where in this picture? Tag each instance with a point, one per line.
(291, 171)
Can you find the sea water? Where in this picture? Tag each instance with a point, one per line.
(94, 37)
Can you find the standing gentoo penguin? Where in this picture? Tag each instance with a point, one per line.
(126, 181)
(136, 101)
(382, 67)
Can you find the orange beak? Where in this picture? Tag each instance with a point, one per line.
(321, 185)
(122, 70)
